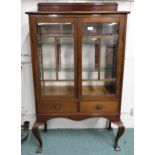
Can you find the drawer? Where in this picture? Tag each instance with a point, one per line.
(57, 107)
(100, 106)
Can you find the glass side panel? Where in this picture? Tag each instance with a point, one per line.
(99, 47)
(56, 56)
(47, 60)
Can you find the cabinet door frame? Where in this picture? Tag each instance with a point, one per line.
(33, 20)
(120, 54)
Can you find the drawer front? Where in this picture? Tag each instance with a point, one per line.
(98, 107)
(57, 107)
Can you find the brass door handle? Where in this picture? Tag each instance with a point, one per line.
(98, 107)
(57, 107)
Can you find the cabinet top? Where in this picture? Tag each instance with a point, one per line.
(76, 12)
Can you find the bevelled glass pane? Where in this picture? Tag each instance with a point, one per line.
(99, 47)
(56, 56)
(66, 69)
(55, 28)
(100, 28)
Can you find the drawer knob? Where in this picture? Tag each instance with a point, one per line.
(98, 107)
(57, 107)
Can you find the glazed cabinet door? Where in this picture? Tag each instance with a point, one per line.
(55, 56)
(100, 54)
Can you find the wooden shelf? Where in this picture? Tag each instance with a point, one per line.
(58, 90)
(101, 36)
(69, 90)
(54, 43)
(95, 90)
(87, 69)
(72, 80)
(46, 39)
(42, 36)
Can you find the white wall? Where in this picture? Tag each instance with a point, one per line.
(27, 101)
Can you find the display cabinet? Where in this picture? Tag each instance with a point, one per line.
(77, 59)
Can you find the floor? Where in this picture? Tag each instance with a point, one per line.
(80, 142)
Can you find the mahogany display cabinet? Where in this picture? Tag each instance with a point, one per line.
(77, 59)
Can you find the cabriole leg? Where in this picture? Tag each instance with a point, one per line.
(109, 126)
(45, 127)
(120, 132)
(35, 131)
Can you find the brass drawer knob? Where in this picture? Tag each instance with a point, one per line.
(98, 107)
(57, 107)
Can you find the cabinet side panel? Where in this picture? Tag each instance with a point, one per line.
(123, 56)
(32, 29)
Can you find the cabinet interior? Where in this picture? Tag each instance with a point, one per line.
(56, 56)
